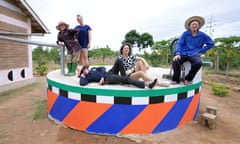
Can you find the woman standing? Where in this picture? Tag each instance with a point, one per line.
(69, 38)
(84, 39)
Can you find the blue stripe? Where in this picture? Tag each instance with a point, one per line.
(62, 107)
(197, 110)
(174, 116)
(115, 119)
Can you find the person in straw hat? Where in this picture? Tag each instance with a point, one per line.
(69, 38)
(189, 46)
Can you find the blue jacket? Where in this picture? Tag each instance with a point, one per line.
(95, 74)
(193, 45)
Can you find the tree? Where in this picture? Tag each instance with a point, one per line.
(132, 37)
(145, 41)
(162, 48)
(228, 47)
(55, 55)
(40, 57)
(141, 41)
(102, 53)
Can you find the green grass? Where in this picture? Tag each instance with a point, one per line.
(19, 91)
(219, 89)
(3, 134)
(40, 110)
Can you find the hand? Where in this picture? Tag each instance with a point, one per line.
(147, 67)
(177, 57)
(101, 82)
(60, 43)
(89, 45)
(76, 40)
(83, 75)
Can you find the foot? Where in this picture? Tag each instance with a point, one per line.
(152, 84)
(186, 82)
(161, 84)
(174, 83)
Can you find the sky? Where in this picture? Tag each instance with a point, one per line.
(110, 20)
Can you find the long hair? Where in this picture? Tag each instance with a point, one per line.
(130, 48)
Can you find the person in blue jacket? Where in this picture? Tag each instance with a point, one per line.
(99, 74)
(188, 48)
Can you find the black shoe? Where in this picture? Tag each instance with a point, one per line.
(152, 84)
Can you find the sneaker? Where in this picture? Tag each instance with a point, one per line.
(173, 83)
(161, 84)
(152, 84)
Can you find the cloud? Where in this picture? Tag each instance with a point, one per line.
(111, 20)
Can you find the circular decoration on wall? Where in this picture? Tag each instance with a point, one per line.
(10, 75)
(23, 73)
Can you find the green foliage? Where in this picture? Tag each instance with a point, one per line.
(132, 37)
(54, 55)
(102, 53)
(3, 134)
(219, 89)
(41, 69)
(162, 50)
(228, 49)
(142, 41)
(41, 57)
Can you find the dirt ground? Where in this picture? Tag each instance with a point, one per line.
(17, 126)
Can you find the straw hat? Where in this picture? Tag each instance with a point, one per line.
(199, 19)
(61, 23)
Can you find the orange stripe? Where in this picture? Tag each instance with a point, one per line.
(84, 114)
(148, 119)
(189, 114)
(51, 100)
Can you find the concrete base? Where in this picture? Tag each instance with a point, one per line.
(121, 109)
(17, 84)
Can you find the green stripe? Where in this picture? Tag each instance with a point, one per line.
(122, 92)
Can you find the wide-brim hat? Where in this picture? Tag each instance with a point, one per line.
(61, 23)
(199, 19)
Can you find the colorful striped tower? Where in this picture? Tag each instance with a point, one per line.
(119, 110)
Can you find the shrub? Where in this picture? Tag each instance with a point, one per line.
(219, 89)
(41, 69)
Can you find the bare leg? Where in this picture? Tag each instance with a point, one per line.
(140, 74)
(140, 67)
(84, 57)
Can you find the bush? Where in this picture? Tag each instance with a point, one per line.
(41, 69)
(219, 89)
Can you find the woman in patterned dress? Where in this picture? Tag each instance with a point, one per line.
(136, 67)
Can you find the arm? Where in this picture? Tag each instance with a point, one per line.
(59, 40)
(208, 44)
(179, 44)
(178, 47)
(75, 32)
(143, 61)
(89, 38)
